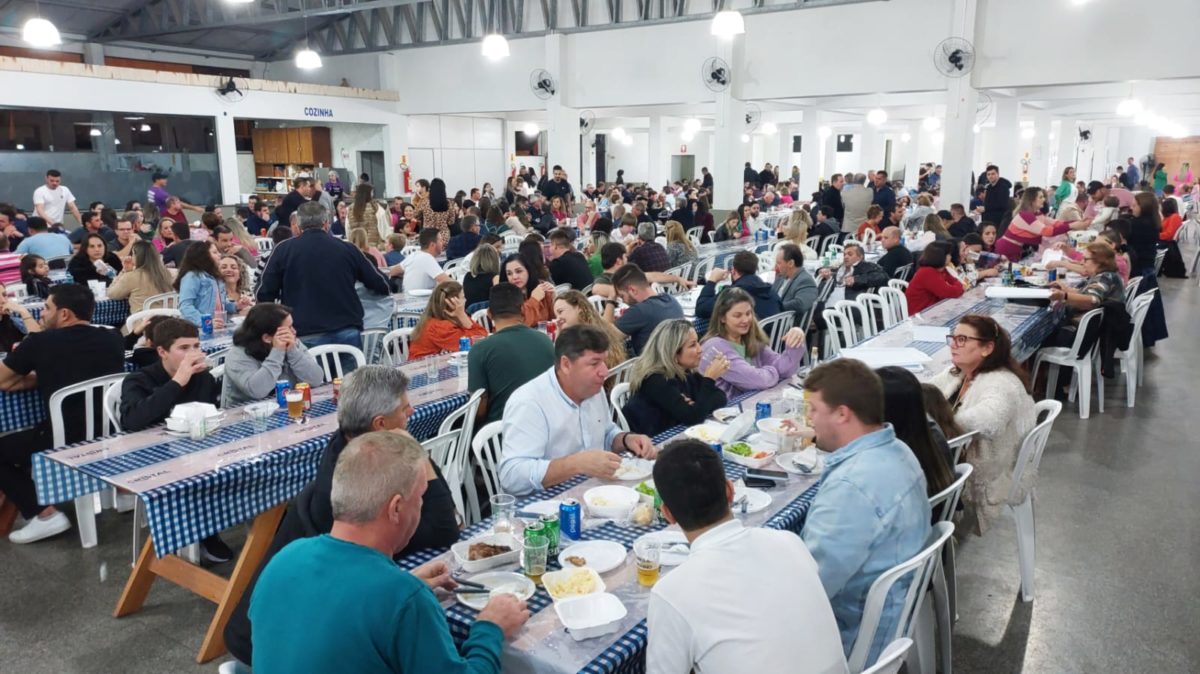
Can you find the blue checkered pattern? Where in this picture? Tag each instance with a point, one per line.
(108, 312)
(627, 653)
(20, 409)
(186, 511)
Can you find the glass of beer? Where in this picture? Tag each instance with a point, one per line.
(647, 554)
(295, 405)
(533, 557)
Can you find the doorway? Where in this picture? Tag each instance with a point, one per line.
(371, 163)
(683, 167)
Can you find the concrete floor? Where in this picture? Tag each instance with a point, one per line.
(1116, 583)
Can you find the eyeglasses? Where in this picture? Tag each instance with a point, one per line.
(961, 340)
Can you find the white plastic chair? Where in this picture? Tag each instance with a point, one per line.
(409, 249)
(701, 269)
(93, 392)
(483, 318)
(920, 567)
(216, 365)
(958, 444)
(839, 333)
(619, 374)
(776, 327)
(1082, 364)
(1020, 501)
(888, 663)
(945, 588)
(265, 244)
(830, 240)
(874, 311)
(597, 303)
(1159, 256)
(395, 345)
(1131, 291)
(513, 240)
(372, 339)
(487, 448)
(441, 450)
(162, 301)
(561, 288)
(896, 306)
(813, 242)
(1131, 357)
(619, 396)
(903, 273)
(329, 356)
(868, 238)
(766, 262)
(859, 326)
(693, 233)
(457, 469)
(142, 315)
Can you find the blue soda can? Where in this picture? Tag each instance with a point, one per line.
(570, 519)
(1052, 275)
(206, 324)
(717, 448)
(762, 411)
(281, 390)
(464, 344)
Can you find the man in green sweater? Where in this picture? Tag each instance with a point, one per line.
(360, 611)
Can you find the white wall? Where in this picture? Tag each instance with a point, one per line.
(463, 151)
(1136, 142)
(633, 158)
(360, 70)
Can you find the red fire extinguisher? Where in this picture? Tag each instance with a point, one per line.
(407, 178)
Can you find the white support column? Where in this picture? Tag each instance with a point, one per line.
(958, 147)
(786, 160)
(729, 152)
(1007, 139)
(93, 53)
(395, 135)
(227, 165)
(658, 164)
(870, 149)
(562, 121)
(810, 153)
(1067, 135)
(909, 154)
(1039, 155)
(828, 151)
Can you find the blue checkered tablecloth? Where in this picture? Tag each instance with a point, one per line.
(108, 312)
(193, 508)
(20, 409)
(626, 653)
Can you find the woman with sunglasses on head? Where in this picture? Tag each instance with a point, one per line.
(666, 384)
(989, 393)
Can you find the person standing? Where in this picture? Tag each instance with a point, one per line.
(885, 197)
(856, 199)
(997, 200)
(302, 191)
(1132, 175)
(158, 194)
(707, 181)
(872, 511)
(328, 312)
(51, 200)
(832, 197)
(740, 624)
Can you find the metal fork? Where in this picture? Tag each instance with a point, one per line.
(742, 502)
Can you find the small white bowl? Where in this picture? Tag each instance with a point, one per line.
(616, 502)
(462, 551)
(772, 430)
(591, 616)
(552, 578)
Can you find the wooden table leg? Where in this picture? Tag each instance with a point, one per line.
(225, 593)
(262, 531)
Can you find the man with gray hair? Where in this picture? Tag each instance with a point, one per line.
(647, 253)
(314, 273)
(856, 199)
(373, 398)
(339, 603)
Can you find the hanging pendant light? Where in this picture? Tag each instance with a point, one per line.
(728, 23)
(307, 59)
(495, 47)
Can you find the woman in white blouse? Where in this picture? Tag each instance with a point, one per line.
(990, 394)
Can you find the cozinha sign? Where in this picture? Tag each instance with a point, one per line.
(318, 112)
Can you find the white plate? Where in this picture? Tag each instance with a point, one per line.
(494, 579)
(810, 457)
(542, 508)
(425, 292)
(706, 433)
(757, 500)
(603, 556)
(669, 556)
(634, 469)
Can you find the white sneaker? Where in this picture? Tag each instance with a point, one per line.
(39, 528)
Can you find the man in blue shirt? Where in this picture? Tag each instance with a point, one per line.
(356, 609)
(559, 425)
(464, 243)
(871, 511)
(885, 198)
(43, 242)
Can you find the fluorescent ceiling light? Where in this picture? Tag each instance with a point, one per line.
(530, 129)
(876, 117)
(905, 137)
(745, 138)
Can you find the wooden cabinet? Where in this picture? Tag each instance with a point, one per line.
(297, 145)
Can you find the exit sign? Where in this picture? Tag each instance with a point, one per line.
(682, 149)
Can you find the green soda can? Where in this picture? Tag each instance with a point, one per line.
(534, 529)
(550, 531)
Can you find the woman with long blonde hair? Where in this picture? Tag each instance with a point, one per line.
(358, 238)
(735, 336)
(795, 230)
(679, 247)
(572, 308)
(443, 323)
(666, 386)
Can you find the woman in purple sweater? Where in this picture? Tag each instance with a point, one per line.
(734, 333)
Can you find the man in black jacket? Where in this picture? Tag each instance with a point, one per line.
(897, 255)
(750, 176)
(302, 192)
(181, 376)
(856, 275)
(997, 198)
(831, 197)
(372, 398)
(744, 274)
(962, 225)
(707, 182)
(315, 274)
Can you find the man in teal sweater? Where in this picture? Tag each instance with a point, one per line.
(338, 602)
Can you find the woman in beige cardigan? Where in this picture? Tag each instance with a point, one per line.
(367, 215)
(990, 394)
(142, 277)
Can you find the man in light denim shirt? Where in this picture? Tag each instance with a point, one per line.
(871, 511)
(558, 425)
